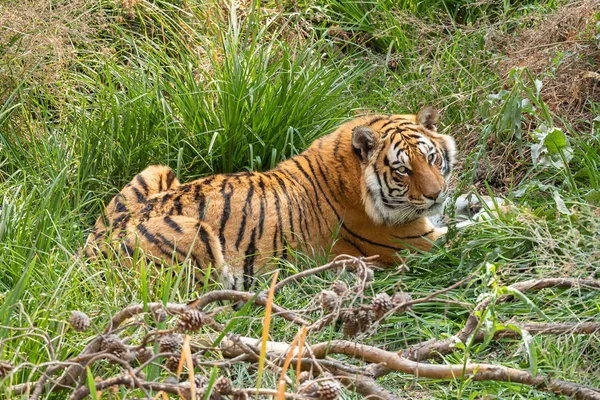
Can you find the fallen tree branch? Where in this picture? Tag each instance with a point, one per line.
(529, 285)
(474, 371)
(391, 361)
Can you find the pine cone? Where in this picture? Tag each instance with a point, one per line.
(339, 287)
(113, 344)
(328, 300)
(328, 390)
(304, 376)
(382, 303)
(401, 298)
(170, 344)
(144, 354)
(223, 385)
(129, 356)
(5, 368)
(159, 314)
(350, 327)
(172, 363)
(200, 381)
(191, 320)
(364, 318)
(366, 275)
(308, 388)
(79, 321)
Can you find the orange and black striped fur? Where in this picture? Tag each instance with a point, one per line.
(373, 181)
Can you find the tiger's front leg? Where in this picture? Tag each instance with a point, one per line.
(468, 210)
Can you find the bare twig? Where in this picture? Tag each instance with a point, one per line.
(234, 295)
(340, 261)
(406, 304)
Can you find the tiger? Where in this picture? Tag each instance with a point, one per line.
(367, 188)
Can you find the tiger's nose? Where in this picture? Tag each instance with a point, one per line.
(433, 195)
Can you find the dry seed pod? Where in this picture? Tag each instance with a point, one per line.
(191, 321)
(304, 376)
(364, 318)
(200, 381)
(159, 315)
(350, 327)
(113, 344)
(339, 287)
(366, 275)
(328, 390)
(170, 344)
(308, 388)
(5, 368)
(144, 354)
(223, 385)
(79, 321)
(129, 356)
(382, 303)
(239, 395)
(328, 300)
(400, 298)
(172, 363)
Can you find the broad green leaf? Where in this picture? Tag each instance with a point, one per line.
(552, 147)
(593, 196)
(555, 141)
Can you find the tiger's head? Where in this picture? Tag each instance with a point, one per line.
(405, 164)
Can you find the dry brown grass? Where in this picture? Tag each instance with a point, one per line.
(41, 40)
(561, 49)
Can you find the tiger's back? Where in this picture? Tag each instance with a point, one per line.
(343, 193)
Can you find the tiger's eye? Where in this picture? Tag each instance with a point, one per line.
(403, 170)
(431, 158)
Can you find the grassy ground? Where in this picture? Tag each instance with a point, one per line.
(92, 91)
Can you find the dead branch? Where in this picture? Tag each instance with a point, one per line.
(365, 386)
(434, 348)
(475, 371)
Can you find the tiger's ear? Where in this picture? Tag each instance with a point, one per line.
(428, 117)
(363, 142)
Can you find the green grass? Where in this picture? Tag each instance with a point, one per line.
(158, 84)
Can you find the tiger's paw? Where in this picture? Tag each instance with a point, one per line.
(470, 209)
(227, 279)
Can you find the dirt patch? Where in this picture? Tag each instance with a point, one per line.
(563, 51)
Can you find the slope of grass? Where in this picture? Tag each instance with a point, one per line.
(158, 84)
